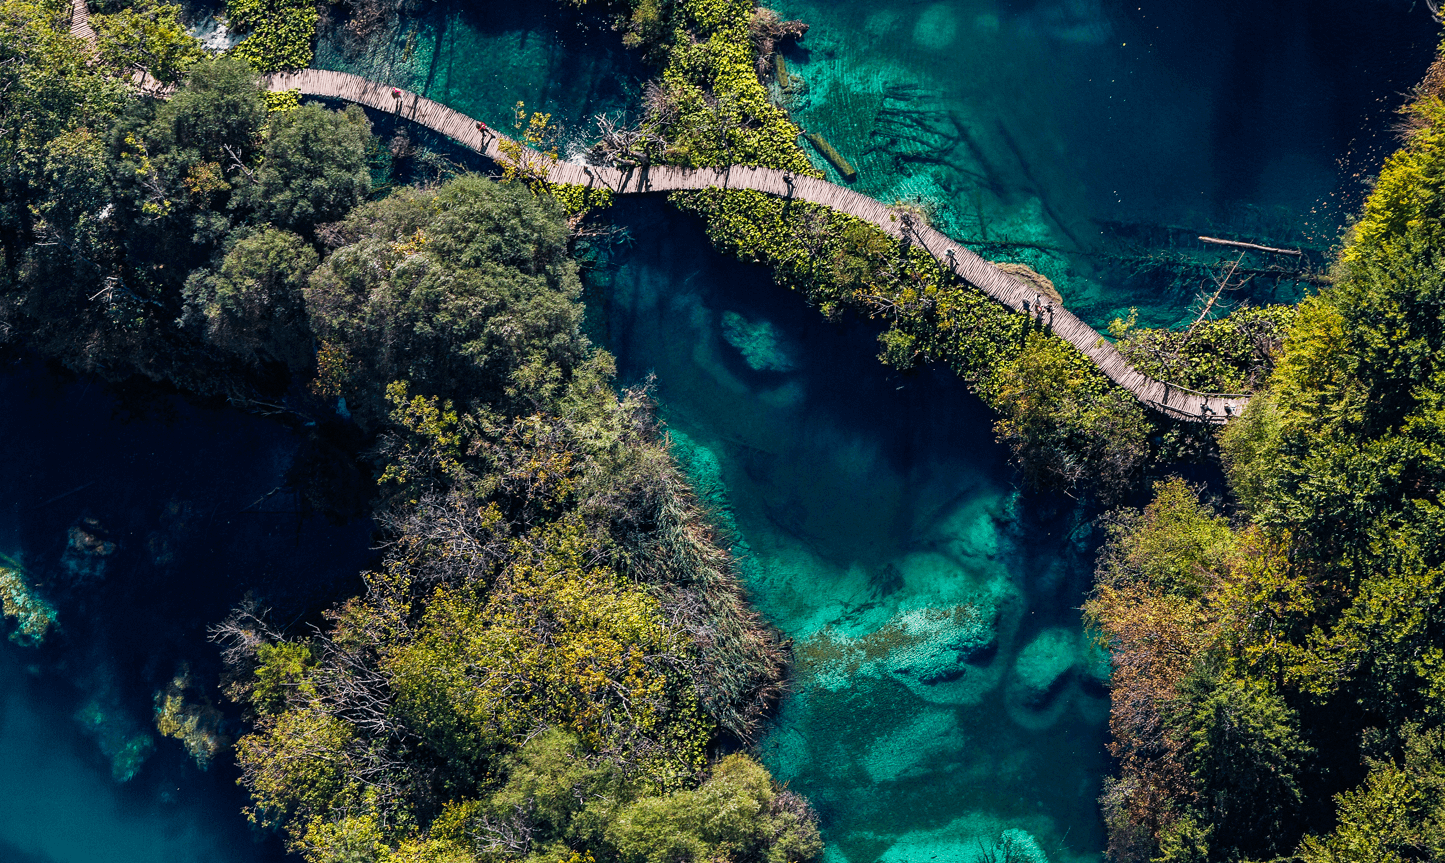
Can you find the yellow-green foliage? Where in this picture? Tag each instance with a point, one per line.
(189, 718)
(282, 100)
(147, 36)
(1233, 354)
(723, 114)
(1409, 188)
(579, 201)
(430, 426)
(575, 643)
(280, 32)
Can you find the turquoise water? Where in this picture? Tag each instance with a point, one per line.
(1099, 128)
(483, 58)
(142, 518)
(944, 698)
(943, 691)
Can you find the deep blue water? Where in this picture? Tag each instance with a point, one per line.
(188, 500)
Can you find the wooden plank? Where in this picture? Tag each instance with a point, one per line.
(1172, 400)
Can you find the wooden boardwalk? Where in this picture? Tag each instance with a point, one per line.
(1172, 400)
(80, 22)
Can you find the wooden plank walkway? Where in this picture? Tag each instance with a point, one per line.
(80, 22)
(1172, 400)
(1166, 398)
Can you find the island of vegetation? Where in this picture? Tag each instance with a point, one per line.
(555, 660)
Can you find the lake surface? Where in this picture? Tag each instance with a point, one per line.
(143, 518)
(945, 698)
(944, 693)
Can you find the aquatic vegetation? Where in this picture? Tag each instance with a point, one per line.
(33, 614)
(279, 34)
(758, 342)
(119, 738)
(196, 724)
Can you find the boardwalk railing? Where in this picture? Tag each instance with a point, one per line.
(1166, 398)
(1161, 396)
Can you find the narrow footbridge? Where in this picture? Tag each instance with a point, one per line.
(1173, 400)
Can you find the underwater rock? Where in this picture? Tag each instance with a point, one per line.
(759, 343)
(937, 645)
(1043, 666)
(972, 838)
(117, 736)
(86, 548)
(196, 723)
(214, 35)
(942, 644)
(34, 616)
(936, 28)
(971, 530)
(85, 538)
(1019, 846)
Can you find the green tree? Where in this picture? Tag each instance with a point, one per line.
(252, 304)
(147, 37)
(465, 288)
(1246, 756)
(216, 116)
(313, 167)
(1396, 815)
(736, 815)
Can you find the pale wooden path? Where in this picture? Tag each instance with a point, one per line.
(1169, 399)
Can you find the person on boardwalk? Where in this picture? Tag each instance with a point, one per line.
(895, 221)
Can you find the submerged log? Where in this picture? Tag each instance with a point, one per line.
(834, 157)
(1250, 246)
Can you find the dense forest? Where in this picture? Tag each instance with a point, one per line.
(555, 660)
(1278, 654)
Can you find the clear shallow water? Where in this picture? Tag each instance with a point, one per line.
(1111, 126)
(484, 57)
(943, 693)
(182, 493)
(1067, 134)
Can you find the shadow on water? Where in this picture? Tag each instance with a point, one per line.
(943, 691)
(143, 518)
